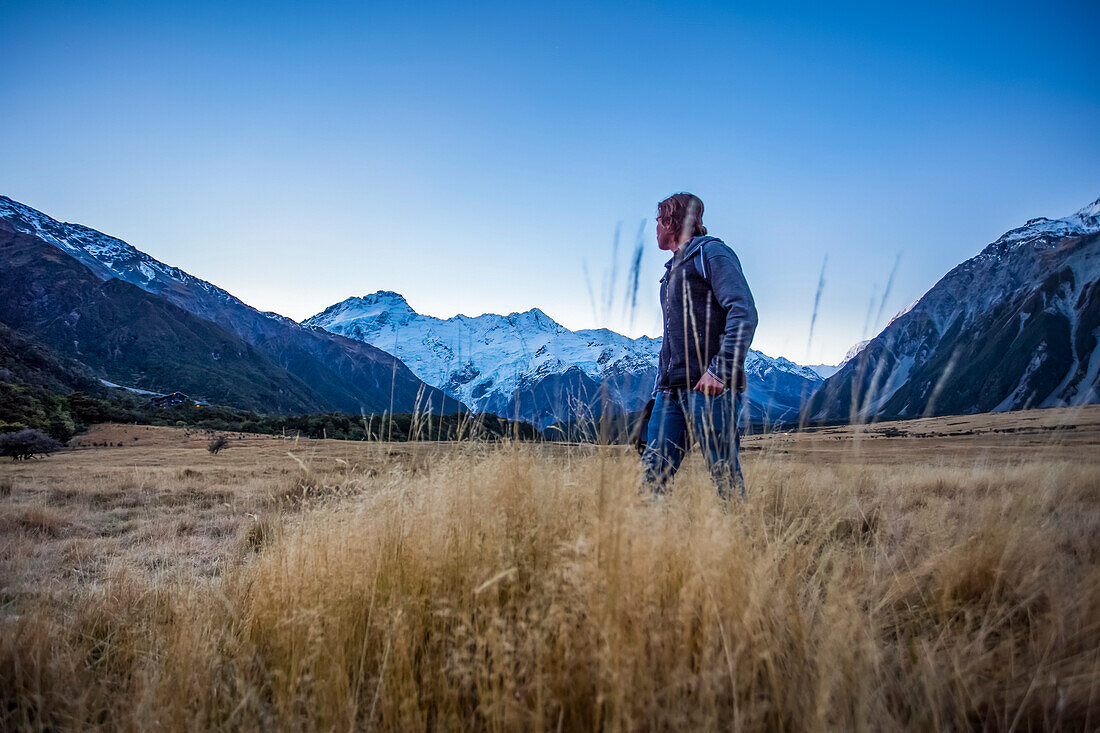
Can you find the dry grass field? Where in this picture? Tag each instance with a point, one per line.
(940, 573)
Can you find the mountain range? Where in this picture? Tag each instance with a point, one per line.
(1016, 326)
(137, 321)
(527, 366)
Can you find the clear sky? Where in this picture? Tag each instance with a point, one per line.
(479, 158)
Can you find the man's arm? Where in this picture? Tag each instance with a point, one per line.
(730, 288)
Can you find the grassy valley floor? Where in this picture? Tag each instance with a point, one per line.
(932, 573)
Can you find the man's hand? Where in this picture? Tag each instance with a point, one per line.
(708, 385)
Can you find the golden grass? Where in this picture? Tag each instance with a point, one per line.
(526, 586)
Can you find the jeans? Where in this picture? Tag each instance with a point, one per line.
(682, 417)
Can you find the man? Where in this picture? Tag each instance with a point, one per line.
(709, 322)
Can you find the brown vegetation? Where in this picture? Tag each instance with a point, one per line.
(874, 579)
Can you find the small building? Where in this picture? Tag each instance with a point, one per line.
(171, 400)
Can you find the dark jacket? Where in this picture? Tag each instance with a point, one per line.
(709, 316)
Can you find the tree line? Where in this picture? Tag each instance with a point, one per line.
(61, 416)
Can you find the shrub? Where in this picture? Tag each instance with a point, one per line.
(217, 444)
(27, 444)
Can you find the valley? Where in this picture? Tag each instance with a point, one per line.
(941, 569)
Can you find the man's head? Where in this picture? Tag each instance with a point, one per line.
(679, 218)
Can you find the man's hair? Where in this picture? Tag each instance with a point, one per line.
(683, 212)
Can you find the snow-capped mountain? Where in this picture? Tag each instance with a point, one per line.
(529, 365)
(854, 351)
(827, 370)
(333, 373)
(1015, 326)
(824, 370)
(109, 257)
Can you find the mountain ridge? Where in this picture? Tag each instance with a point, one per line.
(497, 362)
(123, 332)
(347, 375)
(1013, 327)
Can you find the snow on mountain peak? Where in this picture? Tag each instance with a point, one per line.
(105, 255)
(854, 351)
(1084, 221)
(757, 362)
(72, 238)
(484, 360)
(1092, 211)
(385, 297)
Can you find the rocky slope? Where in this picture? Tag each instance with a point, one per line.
(127, 335)
(1014, 327)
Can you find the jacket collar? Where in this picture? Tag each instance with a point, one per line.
(689, 250)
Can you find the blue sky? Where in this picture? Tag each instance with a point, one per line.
(479, 158)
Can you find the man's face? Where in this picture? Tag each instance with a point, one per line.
(666, 238)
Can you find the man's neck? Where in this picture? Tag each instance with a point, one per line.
(680, 247)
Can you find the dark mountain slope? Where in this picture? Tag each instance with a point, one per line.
(349, 376)
(129, 336)
(1014, 327)
(24, 361)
